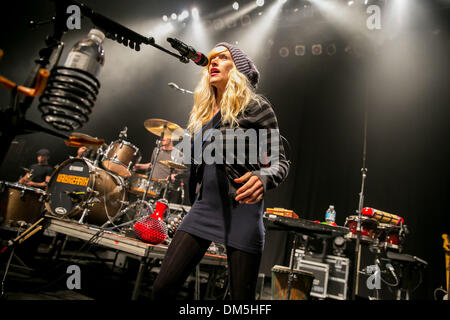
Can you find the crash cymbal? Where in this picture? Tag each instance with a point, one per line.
(163, 128)
(172, 164)
(78, 139)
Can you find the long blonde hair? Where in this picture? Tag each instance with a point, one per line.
(237, 95)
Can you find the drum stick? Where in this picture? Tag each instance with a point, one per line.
(28, 230)
(30, 234)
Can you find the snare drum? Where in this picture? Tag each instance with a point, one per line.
(368, 227)
(389, 236)
(77, 184)
(20, 203)
(120, 157)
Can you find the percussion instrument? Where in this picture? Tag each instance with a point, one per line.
(20, 203)
(389, 236)
(368, 228)
(138, 184)
(77, 185)
(164, 128)
(120, 157)
(173, 164)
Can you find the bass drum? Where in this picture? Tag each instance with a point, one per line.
(77, 184)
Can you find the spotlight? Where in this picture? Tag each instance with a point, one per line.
(300, 50)
(195, 14)
(282, 1)
(173, 16)
(245, 20)
(350, 2)
(366, 2)
(218, 24)
(184, 15)
(236, 5)
(316, 49)
(331, 49)
(284, 52)
(165, 18)
(259, 3)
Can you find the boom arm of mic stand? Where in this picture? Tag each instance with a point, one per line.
(118, 32)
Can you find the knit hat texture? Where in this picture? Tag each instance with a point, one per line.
(242, 62)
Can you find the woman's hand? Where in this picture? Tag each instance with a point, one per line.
(252, 191)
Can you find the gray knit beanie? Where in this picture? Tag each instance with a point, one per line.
(242, 63)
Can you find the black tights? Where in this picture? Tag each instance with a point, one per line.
(186, 251)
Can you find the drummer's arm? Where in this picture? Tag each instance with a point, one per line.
(42, 184)
(142, 166)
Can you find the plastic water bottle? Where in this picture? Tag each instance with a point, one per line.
(88, 54)
(330, 215)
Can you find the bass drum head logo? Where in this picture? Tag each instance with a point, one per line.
(61, 210)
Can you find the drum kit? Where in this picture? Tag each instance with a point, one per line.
(376, 234)
(106, 192)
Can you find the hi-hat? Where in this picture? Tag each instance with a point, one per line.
(172, 164)
(164, 128)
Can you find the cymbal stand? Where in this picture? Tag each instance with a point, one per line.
(168, 184)
(357, 259)
(155, 160)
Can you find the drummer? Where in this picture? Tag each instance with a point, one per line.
(166, 152)
(40, 172)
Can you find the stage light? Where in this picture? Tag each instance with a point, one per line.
(165, 18)
(316, 49)
(300, 50)
(246, 20)
(236, 5)
(366, 2)
(173, 16)
(282, 1)
(331, 49)
(184, 15)
(195, 14)
(284, 52)
(350, 2)
(259, 3)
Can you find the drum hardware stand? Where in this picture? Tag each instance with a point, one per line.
(357, 259)
(155, 160)
(291, 267)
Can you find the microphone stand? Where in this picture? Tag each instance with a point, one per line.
(357, 259)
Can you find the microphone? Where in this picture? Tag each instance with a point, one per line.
(176, 87)
(189, 52)
(173, 85)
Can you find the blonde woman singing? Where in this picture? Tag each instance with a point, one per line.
(227, 197)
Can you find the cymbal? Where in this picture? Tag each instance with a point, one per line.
(172, 164)
(163, 128)
(78, 139)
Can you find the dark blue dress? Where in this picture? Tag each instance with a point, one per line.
(217, 217)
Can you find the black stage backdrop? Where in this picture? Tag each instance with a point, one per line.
(320, 103)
